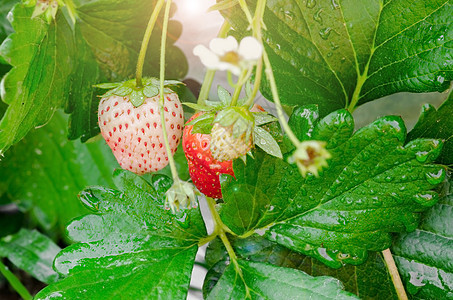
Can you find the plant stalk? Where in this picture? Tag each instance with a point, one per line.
(394, 274)
(14, 282)
(145, 42)
(171, 161)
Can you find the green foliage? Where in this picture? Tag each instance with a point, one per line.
(128, 245)
(44, 173)
(424, 256)
(64, 62)
(374, 185)
(439, 125)
(274, 282)
(340, 55)
(32, 252)
(368, 281)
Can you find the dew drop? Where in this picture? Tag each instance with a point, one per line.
(324, 33)
(421, 156)
(335, 5)
(435, 178)
(440, 79)
(333, 46)
(317, 16)
(311, 3)
(289, 15)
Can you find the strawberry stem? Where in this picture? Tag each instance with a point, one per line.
(163, 42)
(209, 77)
(145, 42)
(257, 24)
(220, 230)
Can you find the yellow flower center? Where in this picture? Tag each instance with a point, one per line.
(231, 57)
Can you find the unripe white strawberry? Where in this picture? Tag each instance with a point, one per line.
(135, 133)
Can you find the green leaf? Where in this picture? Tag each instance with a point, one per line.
(44, 173)
(437, 124)
(368, 281)
(37, 83)
(63, 63)
(424, 256)
(270, 282)
(342, 54)
(32, 252)
(374, 185)
(130, 246)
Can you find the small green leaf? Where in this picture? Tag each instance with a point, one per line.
(374, 186)
(438, 125)
(130, 246)
(266, 281)
(32, 252)
(424, 256)
(266, 141)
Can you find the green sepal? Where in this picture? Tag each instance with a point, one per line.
(266, 141)
(150, 88)
(262, 118)
(224, 96)
(237, 116)
(108, 85)
(137, 97)
(202, 124)
(199, 107)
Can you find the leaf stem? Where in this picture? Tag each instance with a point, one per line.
(393, 270)
(14, 282)
(145, 42)
(171, 161)
(209, 76)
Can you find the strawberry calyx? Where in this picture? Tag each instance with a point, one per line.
(47, 8)
(137, 95)
(181, 195)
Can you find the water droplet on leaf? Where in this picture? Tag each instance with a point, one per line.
(324, 33)
(435, 178)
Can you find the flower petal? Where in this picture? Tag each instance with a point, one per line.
(207, 57)
(250, 48)
(221, 46)
(223, 66)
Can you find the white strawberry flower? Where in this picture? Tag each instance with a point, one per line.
(227, 54)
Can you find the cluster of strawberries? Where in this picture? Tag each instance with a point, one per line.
(135, 136)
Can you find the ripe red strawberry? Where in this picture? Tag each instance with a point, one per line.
(203, 168)
(135, 133)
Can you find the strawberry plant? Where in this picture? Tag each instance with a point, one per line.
(117, 181)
